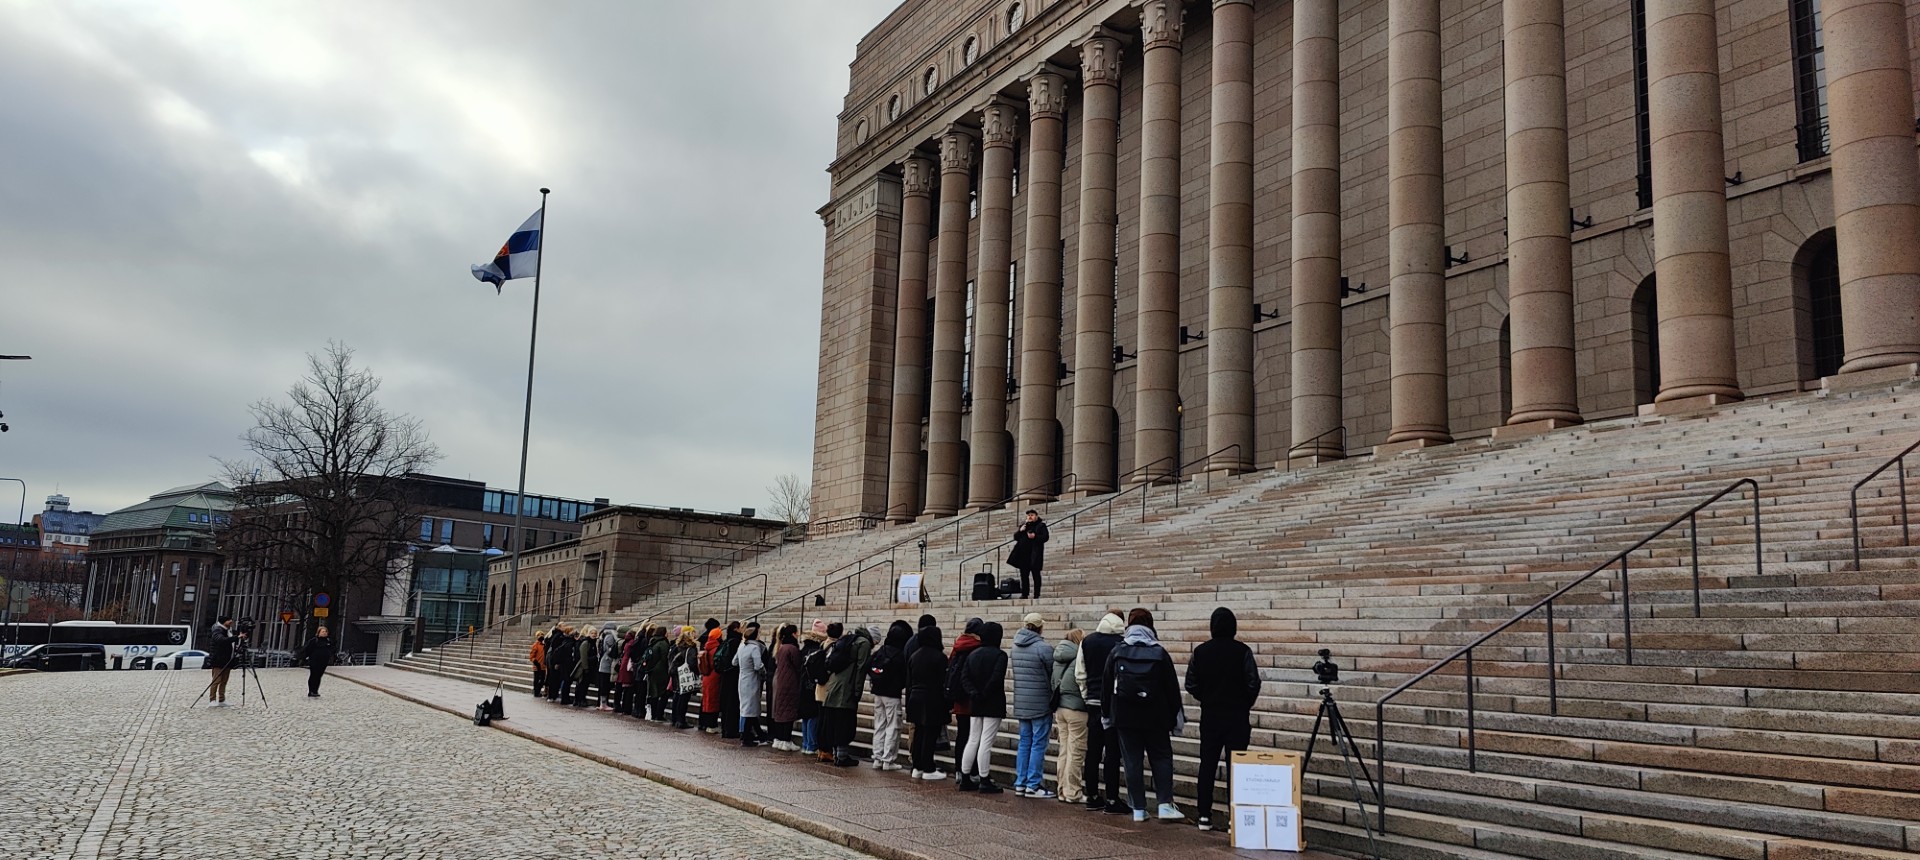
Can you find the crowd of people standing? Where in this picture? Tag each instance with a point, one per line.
(1110, 698)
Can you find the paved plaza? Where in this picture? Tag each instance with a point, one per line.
(115, 765)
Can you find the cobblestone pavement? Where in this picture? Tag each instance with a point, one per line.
(116, 765)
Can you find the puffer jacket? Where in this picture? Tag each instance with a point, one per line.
(609, 649)
(1065, 655)
(1032, 675)
(849, 664)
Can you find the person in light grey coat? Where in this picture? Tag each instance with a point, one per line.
(1033, 690)
(751, 659)
(609, 660)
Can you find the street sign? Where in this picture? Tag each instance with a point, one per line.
(320, 612)
(321, 599)
(286, 616)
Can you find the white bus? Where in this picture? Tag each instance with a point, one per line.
(122, 641)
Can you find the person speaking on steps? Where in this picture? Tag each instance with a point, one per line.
(1029, 554)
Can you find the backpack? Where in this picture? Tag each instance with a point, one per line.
(956, 688)
(723, 658)
(816, 666)
(1132, 669)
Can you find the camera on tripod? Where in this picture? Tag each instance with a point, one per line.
(1326, 670)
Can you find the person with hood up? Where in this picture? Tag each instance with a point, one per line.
(1143, 703)
(984, 678)
(586, 667)
(927, 704)
(686, 653)
(847, 662)
(537, 655)
(729, 673)
(1223, 678)
(887, 677)
(1070, 718)
(813, 646)
(710, 681)
(632, 645)
(753, 669)
(562, 650)
(1029, 554)
(1102, 762)
(656, 674)
(609, 655)
(956, 693)
(1033, 694)
(788, 686)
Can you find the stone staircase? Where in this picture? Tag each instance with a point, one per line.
(1782, 723)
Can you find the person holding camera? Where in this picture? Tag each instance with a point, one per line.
(1222, 677)
(318, 655)
(220, 653)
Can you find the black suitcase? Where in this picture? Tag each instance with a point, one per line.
(984, 588)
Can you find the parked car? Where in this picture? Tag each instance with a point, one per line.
(182, 660)
(61, 657)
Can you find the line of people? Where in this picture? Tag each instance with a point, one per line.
(1112, 696)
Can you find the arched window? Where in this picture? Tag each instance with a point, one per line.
(1646, 342)
(970, 51)
(1016, 17)
(930, 81)
(1816, 282)
(893, 108)
(861, 132)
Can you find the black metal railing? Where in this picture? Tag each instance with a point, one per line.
(1691, 518)
(777, 542)
(1853, 504)
(1340, 430)
(726, 600)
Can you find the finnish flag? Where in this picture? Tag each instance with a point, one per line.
(518, 258)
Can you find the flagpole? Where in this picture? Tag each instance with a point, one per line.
(526, 421)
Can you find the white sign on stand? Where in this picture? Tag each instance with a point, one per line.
(910, 589)
(1265, 801)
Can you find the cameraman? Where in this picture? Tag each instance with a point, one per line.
(221, 642)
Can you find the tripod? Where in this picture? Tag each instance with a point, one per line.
(1342, 739)
(240, 659)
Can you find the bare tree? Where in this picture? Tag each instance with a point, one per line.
(791, 499)
(325, 501)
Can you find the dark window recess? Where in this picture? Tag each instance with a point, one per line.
(1810, 79)
(1646, 341)
(1823, 291)
(1642, 121)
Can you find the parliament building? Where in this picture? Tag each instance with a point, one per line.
(1074, 245)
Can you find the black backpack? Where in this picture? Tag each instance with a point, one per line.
(816, 666)
(956, 689)
(1132, 667)
(723, 656)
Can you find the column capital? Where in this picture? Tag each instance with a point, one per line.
(956, 148)
(1047, 92)
(917, 176)
(999, 123)
(1161, 23)
(1100, 58)
(1219, 3)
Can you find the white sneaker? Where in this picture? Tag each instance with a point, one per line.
(932, 775)
(890, 766)
(1040, 794)
(217, 705)
(1019, 791)
(1139, 815)
(1169, 812)
(877, 764)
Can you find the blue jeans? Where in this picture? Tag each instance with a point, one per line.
(1030, 761)
(808, 729)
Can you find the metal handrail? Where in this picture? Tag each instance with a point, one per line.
(777, 542)
(1853, 504)
(1553, 688)
(852, 581)
(1073, 518)
(1342, 430)
(726, 603)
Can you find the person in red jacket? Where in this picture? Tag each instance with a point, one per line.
(710, 682)
(962, 645)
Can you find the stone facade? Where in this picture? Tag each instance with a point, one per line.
(625, 553)
(1539, 107)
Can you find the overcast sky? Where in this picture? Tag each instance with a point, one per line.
(197, 195)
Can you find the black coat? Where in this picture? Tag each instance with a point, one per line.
(985, 676)
(219, 647)
(927, 680)
(887, 668)
(318, 652)
(1222, 676)
(1029, 546)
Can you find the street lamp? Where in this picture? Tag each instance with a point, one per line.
(22, 519)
